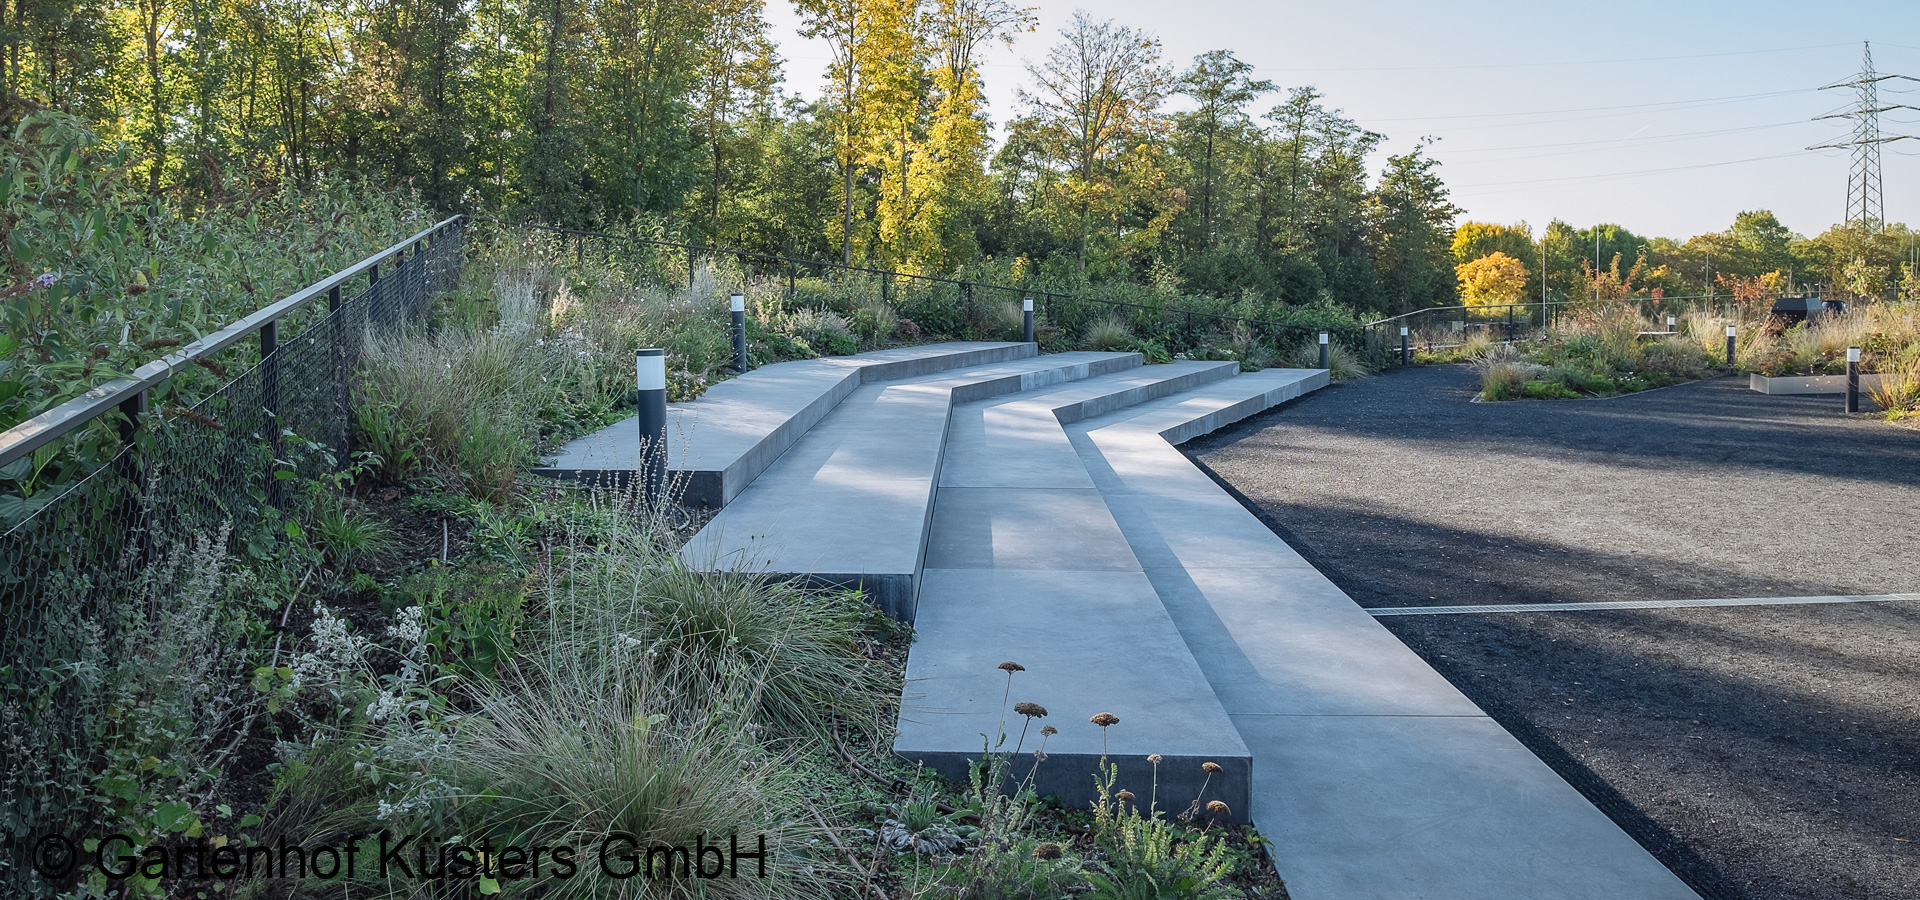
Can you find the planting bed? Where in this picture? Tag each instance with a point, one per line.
(1764, 752)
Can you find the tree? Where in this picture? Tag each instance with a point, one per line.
(1219, 83)
(1473, 240)
(739, 71)
(1095, 96)
(1413, 223)
(1494, 280)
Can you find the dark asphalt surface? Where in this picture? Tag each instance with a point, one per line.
(1764, 752)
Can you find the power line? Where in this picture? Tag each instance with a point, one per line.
(1613, 142)
(1866, 193)
(1617, 175)
(1682, 104)
(1540, 65)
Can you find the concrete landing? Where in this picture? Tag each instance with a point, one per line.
(720, 443)
(849, 502)
(1372, 775)
(1026, 563)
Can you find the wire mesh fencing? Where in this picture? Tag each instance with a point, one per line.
(176, 475)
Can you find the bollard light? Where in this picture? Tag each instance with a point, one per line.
(1853, 379)
(1730, 333)
(1670, 321)
(1323, 349)
(1026, 320)
(1406, 352)
(739, 333)
(650, 464)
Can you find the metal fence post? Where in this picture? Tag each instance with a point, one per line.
(650, 366)
(422, 291)
(270, 405)
(133, 469)
(739, 302)
(1026, 320)
(337, 373)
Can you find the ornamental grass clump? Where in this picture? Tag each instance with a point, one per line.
(798, 650)
(583, 744)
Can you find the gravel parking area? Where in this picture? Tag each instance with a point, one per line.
(1764, 752)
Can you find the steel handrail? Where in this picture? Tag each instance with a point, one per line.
(22, 439)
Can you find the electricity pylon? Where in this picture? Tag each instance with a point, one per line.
(1866, 197)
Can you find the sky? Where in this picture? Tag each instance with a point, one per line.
(1666, 118)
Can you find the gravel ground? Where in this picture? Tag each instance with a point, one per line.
(1764, 752)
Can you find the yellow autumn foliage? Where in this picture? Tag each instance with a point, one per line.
(1493, 280)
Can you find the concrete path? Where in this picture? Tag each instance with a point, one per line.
(718, 444)
(1026, 563)
(1035, 510)
(848, 504)
(1372, 774)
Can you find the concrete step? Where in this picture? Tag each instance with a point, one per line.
(1016, 441)
(849, 502)
(718, 444)
(1373, 776)
(1026, 563)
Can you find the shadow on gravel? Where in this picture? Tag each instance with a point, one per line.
(1385, 559)
(1718, 423)
(1794, 758)
(1763, 753)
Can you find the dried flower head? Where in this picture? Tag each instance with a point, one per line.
(1211, 768)
(1104, 719)
(1218, 808)
(1039, 756)
(1153, 758)
(1048, 850)
(1048, 731)
(1010, 667)
(1030, 710)
(1125, 796)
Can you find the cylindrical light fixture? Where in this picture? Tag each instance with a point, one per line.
(739, 333)
(650, 465)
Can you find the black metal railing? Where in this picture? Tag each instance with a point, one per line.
(176, 473)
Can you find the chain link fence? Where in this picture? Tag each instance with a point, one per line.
(231, 462)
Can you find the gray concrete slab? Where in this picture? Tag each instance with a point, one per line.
(1026, 563)
(1433, 808)
(850, 501)
(1374, 776)
(1016, 441)
(1091, 641)
(1026, 528)
(718, 444)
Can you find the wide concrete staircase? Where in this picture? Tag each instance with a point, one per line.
(1034, 508)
